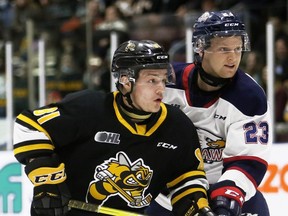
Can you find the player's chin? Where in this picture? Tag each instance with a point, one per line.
(155, 108)
(229, 74)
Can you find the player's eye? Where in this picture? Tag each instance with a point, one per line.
(238, 49)
(228, 50)
(151, 81)
(224, 50)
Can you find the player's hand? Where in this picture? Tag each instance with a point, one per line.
(103, 174)
(225, 206)
(51, 194)
(190, 208)
(226, 198)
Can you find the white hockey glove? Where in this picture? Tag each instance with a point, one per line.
(103, 174)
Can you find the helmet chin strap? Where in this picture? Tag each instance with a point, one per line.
(129, 100)
(134, 113)
(211, 80)
(207, 78)
(127, 95)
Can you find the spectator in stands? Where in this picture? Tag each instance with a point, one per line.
(253, 64)
(6, 18)
(98, 74)
(92, 11)
(24, 10)
(281, 58)
(113, 21)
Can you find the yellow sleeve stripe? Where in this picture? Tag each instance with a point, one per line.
(184, 176)
(187, 192)
(33, 124)
(48, 117)
(32, 148)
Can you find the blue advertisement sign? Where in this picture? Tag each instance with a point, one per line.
(15, 188)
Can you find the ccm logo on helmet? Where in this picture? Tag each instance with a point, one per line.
(162, 57)
(231, 24)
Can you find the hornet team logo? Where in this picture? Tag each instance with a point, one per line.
(130, 47)
(119, 177)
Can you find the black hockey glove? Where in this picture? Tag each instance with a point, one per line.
(190, 207)
(206, 211)
(51, 194)
(224, 206)
(226, 199)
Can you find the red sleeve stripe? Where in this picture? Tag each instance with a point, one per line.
(246, 158)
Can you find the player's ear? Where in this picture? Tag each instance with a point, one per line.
(123, 79)
(201, 53)
(125, 84)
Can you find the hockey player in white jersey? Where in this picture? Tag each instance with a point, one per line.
(230, 112)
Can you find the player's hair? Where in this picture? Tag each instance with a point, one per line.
(218, 24)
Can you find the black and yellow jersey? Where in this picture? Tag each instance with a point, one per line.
(110, 160)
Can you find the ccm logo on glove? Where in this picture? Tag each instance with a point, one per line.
(229, 192)
(48, 175)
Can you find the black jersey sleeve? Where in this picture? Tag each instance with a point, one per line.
(189, 185)
(37, 132)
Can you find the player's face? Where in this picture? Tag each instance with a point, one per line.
(148, 89)
(223, 57)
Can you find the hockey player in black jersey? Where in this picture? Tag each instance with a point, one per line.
(117, 150)
(230, 112)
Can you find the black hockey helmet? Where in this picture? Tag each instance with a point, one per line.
(218, 24)
(132, 56)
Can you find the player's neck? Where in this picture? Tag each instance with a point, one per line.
(135, 115)
(206, 87)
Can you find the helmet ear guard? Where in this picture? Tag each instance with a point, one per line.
(128, 74)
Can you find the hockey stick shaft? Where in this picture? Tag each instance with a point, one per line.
(120, 190)
(126, 195)
(76, 204)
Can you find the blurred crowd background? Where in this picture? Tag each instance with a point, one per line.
(77, 41)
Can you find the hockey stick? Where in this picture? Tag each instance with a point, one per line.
(76, 204)
(127, 196)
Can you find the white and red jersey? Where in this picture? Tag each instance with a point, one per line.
(233, 125)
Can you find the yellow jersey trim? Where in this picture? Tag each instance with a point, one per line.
(140, 129)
